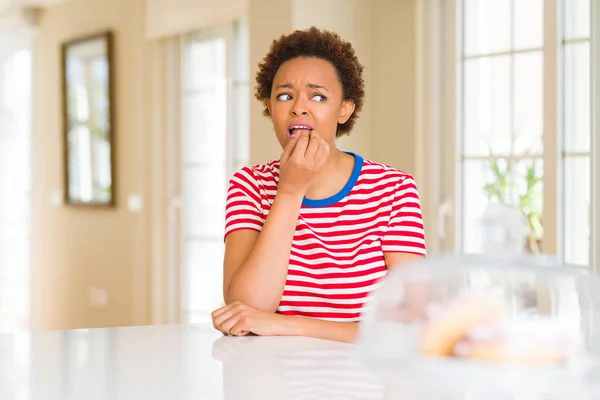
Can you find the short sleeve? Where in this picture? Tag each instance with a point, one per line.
(405, 232)
(243, 206)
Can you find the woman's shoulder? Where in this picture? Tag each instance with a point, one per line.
(268, 172)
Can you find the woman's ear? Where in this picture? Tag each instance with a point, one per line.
(346, 111)
(268, 104)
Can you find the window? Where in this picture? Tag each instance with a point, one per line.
(576, 131)
(502, 143)
(15, 183)
(215, 103)
(523, 120)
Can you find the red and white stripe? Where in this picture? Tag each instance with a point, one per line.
(337, 255)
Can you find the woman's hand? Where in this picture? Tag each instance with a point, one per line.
(239, 319)
(303, 157)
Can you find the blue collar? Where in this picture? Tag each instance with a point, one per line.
(358, 163)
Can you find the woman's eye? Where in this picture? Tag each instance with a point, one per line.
(284, 97)
(319, 97)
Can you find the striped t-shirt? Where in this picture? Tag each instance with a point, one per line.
(337, 254)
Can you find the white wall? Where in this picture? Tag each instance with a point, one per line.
(263, 29)
(82, 248)
(169, 17)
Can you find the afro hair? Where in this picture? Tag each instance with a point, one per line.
(320, 44)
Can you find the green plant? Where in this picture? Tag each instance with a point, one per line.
(509, 184)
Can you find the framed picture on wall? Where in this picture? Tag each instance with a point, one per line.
(88, 118)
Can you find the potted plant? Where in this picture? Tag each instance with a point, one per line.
(508, 182)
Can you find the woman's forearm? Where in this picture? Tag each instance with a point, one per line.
(319, 329)
(260, 280)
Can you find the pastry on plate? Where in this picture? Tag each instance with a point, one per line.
(451, 324)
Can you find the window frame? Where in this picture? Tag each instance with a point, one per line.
(443, 100)
(595, 139)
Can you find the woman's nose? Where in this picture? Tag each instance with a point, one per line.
(299, 108)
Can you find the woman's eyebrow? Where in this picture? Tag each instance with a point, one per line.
(285, 86)
(315, 86)
(310, 85)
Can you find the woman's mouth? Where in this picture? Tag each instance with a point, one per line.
(294, 130)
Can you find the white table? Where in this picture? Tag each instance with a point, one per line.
(177, 362)
(196, 362)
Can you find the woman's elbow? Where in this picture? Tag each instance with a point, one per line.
(253, 300)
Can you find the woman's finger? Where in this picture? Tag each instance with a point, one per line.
(301, 145)
(313, 145)
(226, 324)
(241, 328)
(233, 306)
(289, 148)
(220, 311)
(215, 315)
(225, 314)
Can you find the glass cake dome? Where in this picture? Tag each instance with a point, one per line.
(501, 319)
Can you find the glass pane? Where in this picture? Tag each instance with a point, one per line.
(497, 180)
(241, 122)
(205, 127)
(527, 192)
(204, 270)
(528, 24)
(487, 26)
(577, 18)
(204, 195)
(528, 103)
(475, 201)
(577, 97)
(577, 211)
(487, 106)
(241, 52)
(205, 64)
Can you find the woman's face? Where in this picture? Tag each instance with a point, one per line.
(307, 94)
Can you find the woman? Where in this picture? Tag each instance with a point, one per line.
(310, 236)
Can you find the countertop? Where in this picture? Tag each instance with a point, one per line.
(197, 362)
(177, 362)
